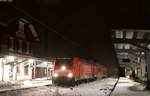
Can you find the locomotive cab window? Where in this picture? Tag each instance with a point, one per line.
(64, 61)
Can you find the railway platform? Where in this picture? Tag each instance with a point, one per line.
(127, 87)
(12, 86)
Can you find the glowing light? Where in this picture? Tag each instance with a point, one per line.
(70, 75)
(63, 68)
(55, 75)
(45, 63)
(11, 58)
(142, 53)
(31, 60)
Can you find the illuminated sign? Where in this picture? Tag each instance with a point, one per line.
(126, 60)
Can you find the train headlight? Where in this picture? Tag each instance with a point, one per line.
(70, 75)
(63, 68)
(55, 75)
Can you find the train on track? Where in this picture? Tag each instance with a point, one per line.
(74, 70)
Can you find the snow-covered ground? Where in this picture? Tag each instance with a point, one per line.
(15, 85)
(126, 87)
(97, 88)
(4, 85)
(103, 87)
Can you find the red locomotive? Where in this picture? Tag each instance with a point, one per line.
(71, 70)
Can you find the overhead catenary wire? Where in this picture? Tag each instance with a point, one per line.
(44, 25)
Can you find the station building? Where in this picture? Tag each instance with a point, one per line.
(19, 47)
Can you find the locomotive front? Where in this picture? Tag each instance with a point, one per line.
(63, 71)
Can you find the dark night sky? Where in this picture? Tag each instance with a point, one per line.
(77, 20)
(131, 14)
(56, 13)
(86, 24)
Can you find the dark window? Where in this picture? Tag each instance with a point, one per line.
(18, 69)
(30, 48)
(9, 42)
(64, 61)
(16, 44)
(20, 45)
(26, 69)
(24, 47)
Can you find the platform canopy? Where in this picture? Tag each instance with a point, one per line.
(131, 45)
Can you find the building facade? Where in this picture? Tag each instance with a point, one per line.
(17, 42)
